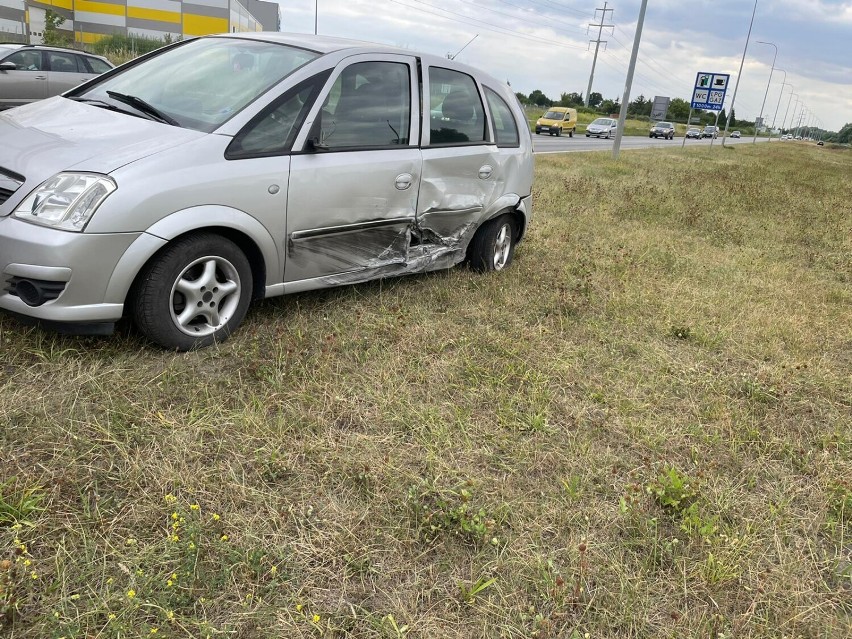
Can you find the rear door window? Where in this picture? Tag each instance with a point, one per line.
(64, 62)
(455, 108)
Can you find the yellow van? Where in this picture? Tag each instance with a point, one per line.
(556, 121)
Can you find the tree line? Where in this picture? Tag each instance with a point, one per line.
(639, 108)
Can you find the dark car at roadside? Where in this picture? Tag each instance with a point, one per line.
(662, 130)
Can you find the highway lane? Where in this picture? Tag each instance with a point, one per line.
(564, 144)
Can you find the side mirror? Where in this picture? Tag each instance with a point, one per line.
(313, 144)
(8, 66)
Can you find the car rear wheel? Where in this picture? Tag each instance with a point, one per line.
(196, 292)
(571, 133)
(493, 246)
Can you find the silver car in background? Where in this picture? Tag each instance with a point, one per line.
(602, 128)
(184, 184)
(34, 72)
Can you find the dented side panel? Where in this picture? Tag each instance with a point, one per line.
(345, 211)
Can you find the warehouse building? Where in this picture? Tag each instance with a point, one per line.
(89, 21)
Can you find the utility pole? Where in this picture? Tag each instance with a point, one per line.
(597, 44)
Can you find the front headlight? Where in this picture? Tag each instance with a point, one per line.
(66, 201)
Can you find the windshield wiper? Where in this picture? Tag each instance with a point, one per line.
(101, 104)
(140, 105)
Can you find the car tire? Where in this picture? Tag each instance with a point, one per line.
(493, 245)
(538, 132)
(651, 135)
(571, 133)
(588, 135)
(206, 268)
(559, 132)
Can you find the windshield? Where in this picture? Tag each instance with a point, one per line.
(553, 115)
(664, 125)
(201, 84)
(603, 122)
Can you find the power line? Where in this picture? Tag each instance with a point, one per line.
(488, 26)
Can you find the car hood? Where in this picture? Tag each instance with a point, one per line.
(53, 135)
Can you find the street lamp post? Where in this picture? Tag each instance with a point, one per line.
(739, 75)
(771, 71)
(316, 15)
(788, 108)
(780, 93)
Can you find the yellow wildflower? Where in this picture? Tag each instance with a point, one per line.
(225, 538)
(316, 618)
(111, 616)
(131, 593)
(194, 507)
(216, 517)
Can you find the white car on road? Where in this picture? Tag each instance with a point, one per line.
(602, 128)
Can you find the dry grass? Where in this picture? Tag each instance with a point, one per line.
(642, 429)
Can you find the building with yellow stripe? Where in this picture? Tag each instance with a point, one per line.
(91, 20)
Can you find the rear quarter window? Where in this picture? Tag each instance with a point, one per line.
(505, 126)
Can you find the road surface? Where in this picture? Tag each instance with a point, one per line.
(563, 144)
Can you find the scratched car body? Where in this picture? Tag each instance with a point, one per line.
(179, 187)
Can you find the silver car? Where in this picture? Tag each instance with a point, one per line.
(34, 72)
(602, 128)
(181, 186)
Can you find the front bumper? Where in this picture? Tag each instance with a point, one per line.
(76, 267)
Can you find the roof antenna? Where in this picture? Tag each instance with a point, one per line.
(453, 57)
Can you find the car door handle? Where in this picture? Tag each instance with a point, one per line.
(41, 77)
(485, 172)
(403, 181)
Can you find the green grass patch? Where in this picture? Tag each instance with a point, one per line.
(641, 429)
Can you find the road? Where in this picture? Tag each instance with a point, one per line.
(564, 144)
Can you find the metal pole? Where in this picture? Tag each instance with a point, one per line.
(784, 121)
(739, 75)
(765, 95)
(780, 93)
(597, 46)
(622, 114)
(688, 122)
(799, 121)
(316, 15)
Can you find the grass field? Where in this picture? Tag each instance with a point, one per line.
(642, 429)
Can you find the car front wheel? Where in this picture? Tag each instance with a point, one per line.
(493, 246)
(194, 293)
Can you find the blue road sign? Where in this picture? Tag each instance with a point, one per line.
(709, 91)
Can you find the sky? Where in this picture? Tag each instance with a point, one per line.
(544, 44)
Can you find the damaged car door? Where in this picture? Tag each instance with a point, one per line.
(353, 187)
(462, 176)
